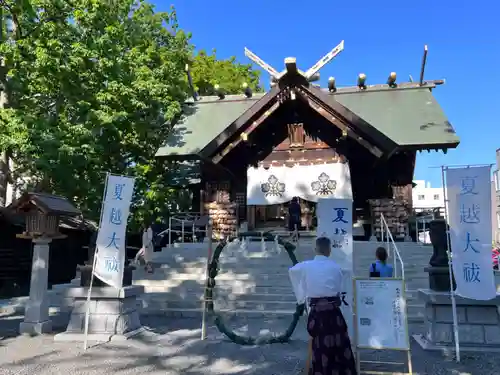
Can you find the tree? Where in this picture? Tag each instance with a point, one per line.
(229, 74)
(11, 14)
(95, 87)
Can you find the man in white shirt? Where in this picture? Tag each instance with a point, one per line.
(318, 282)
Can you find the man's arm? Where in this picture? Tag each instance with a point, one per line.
(296, 274)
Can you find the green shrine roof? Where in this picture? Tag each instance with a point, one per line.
(410, 117)
(408, 114)
(203, 121)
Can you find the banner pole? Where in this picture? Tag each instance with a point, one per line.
(208, 234)
(450, 269)
(87, 311)
(169, 231)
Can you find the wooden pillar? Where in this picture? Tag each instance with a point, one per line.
(202, 200)
(251, 217)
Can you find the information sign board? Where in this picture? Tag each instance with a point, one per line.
(380, 314)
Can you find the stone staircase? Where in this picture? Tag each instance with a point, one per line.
(254, 282)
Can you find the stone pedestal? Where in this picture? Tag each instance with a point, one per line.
(36, 315)
(478, 323)
(439, 278)
(86, 275)
(113, 314)
(497, 280)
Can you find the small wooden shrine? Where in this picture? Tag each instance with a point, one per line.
(42, 214)
(378, 129)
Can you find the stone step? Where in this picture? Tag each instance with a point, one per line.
(253, 309)
(271, 264)
(228, 315)
(272, 252)
(236, 289)
(265, 266)
(241, 294)
(286, 296)
(258, 316)
(416, 280)
(221, 304)
(229, 295)
(277, 276)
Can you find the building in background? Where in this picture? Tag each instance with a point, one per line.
(426, 197)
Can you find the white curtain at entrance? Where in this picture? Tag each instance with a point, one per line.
(322, 181)
(277, 185)
(268, 186)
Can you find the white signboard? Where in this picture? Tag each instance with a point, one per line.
(277, 185)
(111, 253)
(335, 222)
(381, 319)
(469, 212)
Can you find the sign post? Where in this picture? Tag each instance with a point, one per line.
(380, 316)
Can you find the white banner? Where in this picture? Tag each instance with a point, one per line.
(381, 314)
(111, 252)
(277, 185)
(347, 297)
(469, 212)
(335, 222)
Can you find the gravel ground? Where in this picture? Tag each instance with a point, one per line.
(173, 347)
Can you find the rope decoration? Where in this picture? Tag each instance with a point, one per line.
(213, 270)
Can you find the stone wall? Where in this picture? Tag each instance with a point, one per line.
(224, 217)
(396, 213)
(478, 321)
(477, 325)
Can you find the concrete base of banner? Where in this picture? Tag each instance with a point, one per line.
(113, 314)
(427, 345)
(478, 323)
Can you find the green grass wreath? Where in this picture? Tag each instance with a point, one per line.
(213, 270)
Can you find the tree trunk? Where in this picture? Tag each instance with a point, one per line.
(4, 103)
(4, 160)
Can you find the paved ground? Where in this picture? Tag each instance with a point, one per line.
(173, 347)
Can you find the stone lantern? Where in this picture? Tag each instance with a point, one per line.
(42, 213)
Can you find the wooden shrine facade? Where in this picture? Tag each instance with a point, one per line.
(378, 129)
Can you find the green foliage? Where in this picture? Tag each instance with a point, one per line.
(207, 71)
(93, 87)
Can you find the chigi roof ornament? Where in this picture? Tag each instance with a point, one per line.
(312, 74)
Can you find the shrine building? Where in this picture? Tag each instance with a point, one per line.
(244, 157)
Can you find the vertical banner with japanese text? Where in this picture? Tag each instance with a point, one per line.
(111, 252)
(347, 300)
(335, 222)
(469, 212)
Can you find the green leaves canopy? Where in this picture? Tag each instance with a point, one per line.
(94, 87)
(230, 75)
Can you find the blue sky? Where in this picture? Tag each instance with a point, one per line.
(380, 36)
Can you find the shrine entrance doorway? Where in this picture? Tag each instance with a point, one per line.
(275, 217)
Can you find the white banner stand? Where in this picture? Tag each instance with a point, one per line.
(374, 328)
(87, 307)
